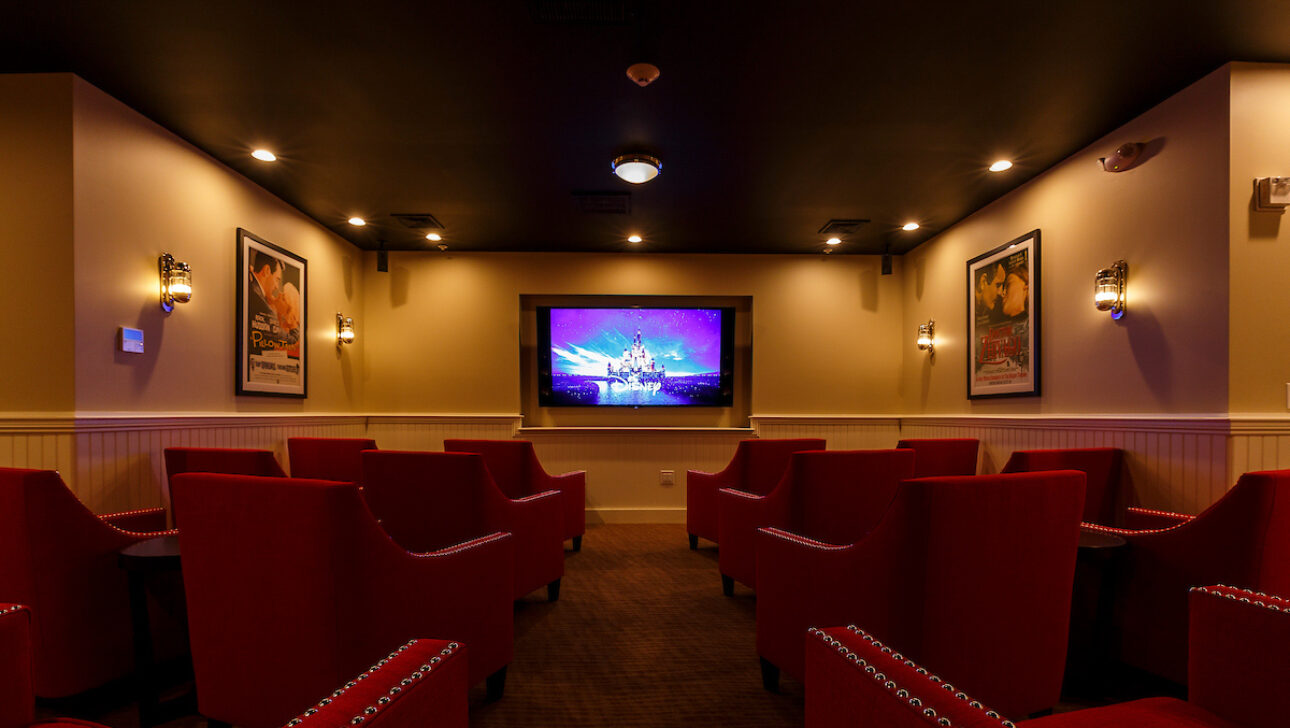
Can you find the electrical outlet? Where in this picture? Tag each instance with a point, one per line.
(667, 477)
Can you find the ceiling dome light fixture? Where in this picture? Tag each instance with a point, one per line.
(357, 221)
(636, 168)
(264, 155)
(833, 241)
(909, 226)
(633, 238)
(434, 237)
(1001, 165)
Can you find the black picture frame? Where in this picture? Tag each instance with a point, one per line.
(1003, 320)
(272, 354)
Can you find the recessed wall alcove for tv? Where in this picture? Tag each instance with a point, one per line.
(635, 361)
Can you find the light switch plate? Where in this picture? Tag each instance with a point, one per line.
(131, 340)
(667, 477)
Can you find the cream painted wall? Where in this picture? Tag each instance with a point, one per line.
(141, 191)
(444, 331)
(1260, 241)
(35, 197)
(1167, 217)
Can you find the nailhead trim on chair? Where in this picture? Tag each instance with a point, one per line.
(1154, 512)
(385, 700)
(1251, 597)
(14, 608)
(449, 551)
(901, 693)
(1114, 530)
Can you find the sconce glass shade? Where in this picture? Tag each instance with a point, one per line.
(636, 168)
(1108, 288)
(344, 330)
(176, 282)
(926, 336)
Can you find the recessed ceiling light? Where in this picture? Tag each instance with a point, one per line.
(633, 238)
(636, 168)
(436, 237)
(833, 241)
(909, 226)
(1001, 165)
(264, 155)
(357, 221)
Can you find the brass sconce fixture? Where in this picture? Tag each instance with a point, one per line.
(344, 330)
(927, 337)
(176, 282)
(1108, 289)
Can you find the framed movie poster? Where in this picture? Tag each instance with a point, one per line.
(1003, 320)
(271, 296)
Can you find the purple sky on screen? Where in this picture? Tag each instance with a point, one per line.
(684, 340)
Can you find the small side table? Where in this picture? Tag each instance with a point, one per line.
(1089, 653)
(142, 561)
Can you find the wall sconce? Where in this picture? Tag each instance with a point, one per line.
(344, 330)
(1108, 289)
(927, 336)
(176, 282)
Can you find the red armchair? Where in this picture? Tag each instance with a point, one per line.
(327, 458)
(832, 496)
(971, 574)
(231, 461)
(1102, 467)
(1240, 640)
(17, 701)
(1242, 539)
(61, 560)
(428, 500)
(292, 587)
(944, 456)
(755, 468)
(516, 470)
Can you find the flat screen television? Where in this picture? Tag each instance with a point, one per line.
(635, 356)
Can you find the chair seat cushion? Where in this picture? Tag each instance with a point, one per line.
(1148, 713)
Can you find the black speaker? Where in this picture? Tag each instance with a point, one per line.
(382, 261)
(886, 264)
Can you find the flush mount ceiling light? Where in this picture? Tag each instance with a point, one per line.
(1001, 165)
(264, 155)
(833, 241)
(909, 226)
(434, 237)
(636, 168)
(357, 221)
(633, 238)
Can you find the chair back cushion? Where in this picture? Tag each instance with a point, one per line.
(761, 463)
(328, 458)
(837, 496)
(59, 559)
(509, 462)
(943, 456)
(427, 500)
(978, 573)
(1101, 466)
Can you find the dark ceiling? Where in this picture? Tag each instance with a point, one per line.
(770, 118)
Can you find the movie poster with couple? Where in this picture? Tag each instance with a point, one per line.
(270, 319)
(1003, 318)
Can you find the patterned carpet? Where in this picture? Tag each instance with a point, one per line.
(641, 636)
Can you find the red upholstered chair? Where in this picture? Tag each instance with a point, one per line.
(756, 468)
(1101, 465)
(231, 461)
(832, 496)
(515, 468)
(943, 456)
(327, 458)
(1243, 539)
(1240, 651)
(61, 560)
(293, 587)
(429, 500)
(17, 702)
(970, 574)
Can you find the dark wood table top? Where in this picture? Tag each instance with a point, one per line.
(154, 554)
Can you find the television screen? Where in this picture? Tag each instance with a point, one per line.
(635, 357)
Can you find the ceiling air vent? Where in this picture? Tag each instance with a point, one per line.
(612, 203)
(842, 227)
(417, 221)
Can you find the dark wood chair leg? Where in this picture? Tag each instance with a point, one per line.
(694, 542)
(496, 685)
(769, 676)
(727, 585)
(553, 591)
(577, 543)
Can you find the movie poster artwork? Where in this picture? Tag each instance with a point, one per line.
(270, 319)
(1003, 319)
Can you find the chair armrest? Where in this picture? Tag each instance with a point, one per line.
(1141, 519)
(422, 683)
(17, 697)
(538, 524)
(739, 515)
(1239, 654)
(854, 679)
(142, 520)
